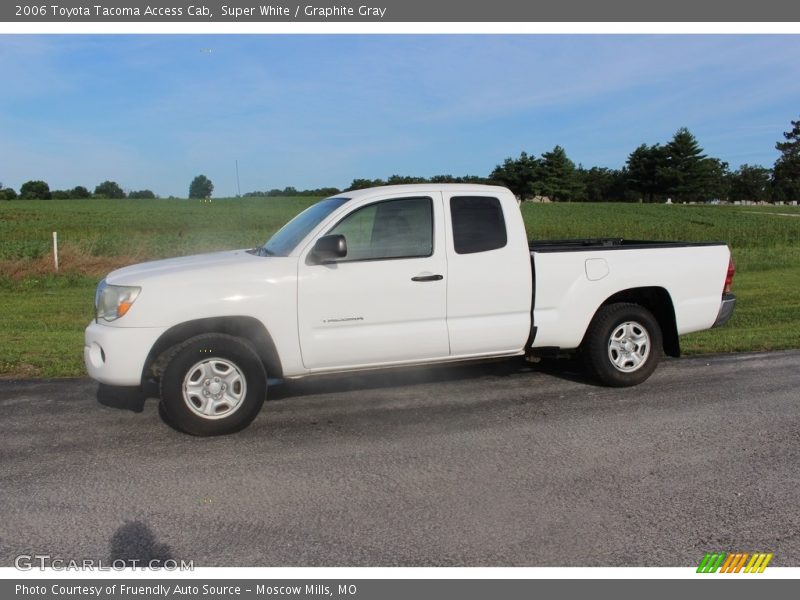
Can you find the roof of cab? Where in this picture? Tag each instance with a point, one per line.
(420, 188)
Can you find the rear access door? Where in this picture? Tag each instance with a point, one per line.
(489, 284)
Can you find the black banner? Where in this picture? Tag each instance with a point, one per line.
(389, 589)
(394, 11)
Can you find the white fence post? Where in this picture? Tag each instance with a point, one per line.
(55, 249)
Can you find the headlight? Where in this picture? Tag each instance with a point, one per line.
(113, 301)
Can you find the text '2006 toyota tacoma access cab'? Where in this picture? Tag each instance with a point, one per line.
(400, 275)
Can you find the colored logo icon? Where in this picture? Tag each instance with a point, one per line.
(734, 562)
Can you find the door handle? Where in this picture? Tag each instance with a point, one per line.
(428, 278)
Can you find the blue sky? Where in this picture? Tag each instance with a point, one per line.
(316, 110)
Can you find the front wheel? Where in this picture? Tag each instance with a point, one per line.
(623, 345)
(213, 384)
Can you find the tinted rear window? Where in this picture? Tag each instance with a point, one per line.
(478, 224)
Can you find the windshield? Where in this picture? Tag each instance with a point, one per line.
(291, 234)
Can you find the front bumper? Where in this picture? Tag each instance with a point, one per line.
(116, 355)
(725, 309)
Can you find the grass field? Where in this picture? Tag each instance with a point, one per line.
(43, 314)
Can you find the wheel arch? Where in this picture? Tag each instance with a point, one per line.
(248, 328)
(659, 302)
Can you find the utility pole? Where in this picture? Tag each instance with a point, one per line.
(238, 187)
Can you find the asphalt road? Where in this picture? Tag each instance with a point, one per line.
(491, 465)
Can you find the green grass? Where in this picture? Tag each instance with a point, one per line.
(739, 226)
(43, 314)
(146, 228)
(42, 322)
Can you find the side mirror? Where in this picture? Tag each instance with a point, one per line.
(328, 248)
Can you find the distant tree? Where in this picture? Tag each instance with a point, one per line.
(714, 180)
(75, 193)
(604, 185)
(360, 184)
(7, 193)
(109, 189)
(290, 191)
(34, 190)
(643, 168)
(324, 192)
(620, 189)
(457, 179)
(444, 179)
(141, 195)
(403, 179)
(201, 187)
(520, 175)
(472, 179)
(750, 182)
(559, 179)
(786, 172)
(80, 192)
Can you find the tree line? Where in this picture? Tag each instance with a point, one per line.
(291, 192)
(201, 187)
(677, 170)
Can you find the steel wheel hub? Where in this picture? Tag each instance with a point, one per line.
(214, 388)
(628, 346)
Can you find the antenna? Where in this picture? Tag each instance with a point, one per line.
(238, 187)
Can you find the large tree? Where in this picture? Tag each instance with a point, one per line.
(558, 177)
(201, 187)
(35, 190)
(786, 172)
(109, 189)
(685, 172)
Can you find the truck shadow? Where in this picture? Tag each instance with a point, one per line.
(126, 398)
(134, 398)
(568, 370)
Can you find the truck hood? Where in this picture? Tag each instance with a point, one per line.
(228, 283)
(179, 268)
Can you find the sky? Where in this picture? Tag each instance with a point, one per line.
(153, 111)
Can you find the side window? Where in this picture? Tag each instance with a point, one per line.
(401, 228)
(478, 224)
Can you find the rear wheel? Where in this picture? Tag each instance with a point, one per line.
(213, 384)
(623, 345)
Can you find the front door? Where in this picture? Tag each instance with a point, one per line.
(385, 301)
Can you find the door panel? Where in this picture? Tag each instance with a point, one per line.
(383, 302)
(489, 277)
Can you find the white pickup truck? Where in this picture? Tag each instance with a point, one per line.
(398, 275)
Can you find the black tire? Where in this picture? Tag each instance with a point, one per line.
(213, 384)
(629, 327)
